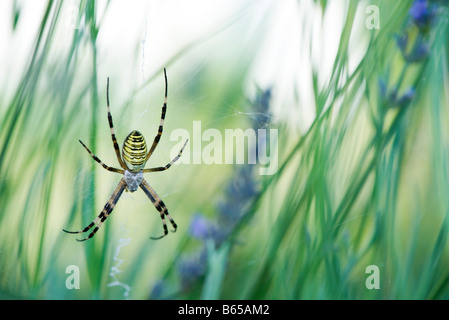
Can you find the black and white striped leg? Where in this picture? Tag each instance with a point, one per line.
(169, 164)
(160, 206)
(111, 126)
(104, 213)
(101, 162)
(161, 124)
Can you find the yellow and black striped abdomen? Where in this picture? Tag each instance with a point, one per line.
(134, 151)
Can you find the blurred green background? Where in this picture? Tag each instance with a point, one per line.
(358, 97)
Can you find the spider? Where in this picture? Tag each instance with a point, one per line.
(133, 159)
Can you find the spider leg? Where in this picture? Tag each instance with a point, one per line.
(101, 162)
(160, 206)
(161, 124)
(111, 126)
(170, 163)
(104, 213)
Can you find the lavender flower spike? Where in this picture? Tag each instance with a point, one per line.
(422, 13)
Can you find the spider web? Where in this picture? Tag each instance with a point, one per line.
(115, 269)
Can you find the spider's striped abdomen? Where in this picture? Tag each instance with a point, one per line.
(134, 151)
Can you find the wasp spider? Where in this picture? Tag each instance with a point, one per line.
(132, 160)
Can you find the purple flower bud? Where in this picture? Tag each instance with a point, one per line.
(402, 42)
(419, 52)
(422, 13)
(158, 290)
(200, 227)
(191, 267)
(406, 97)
